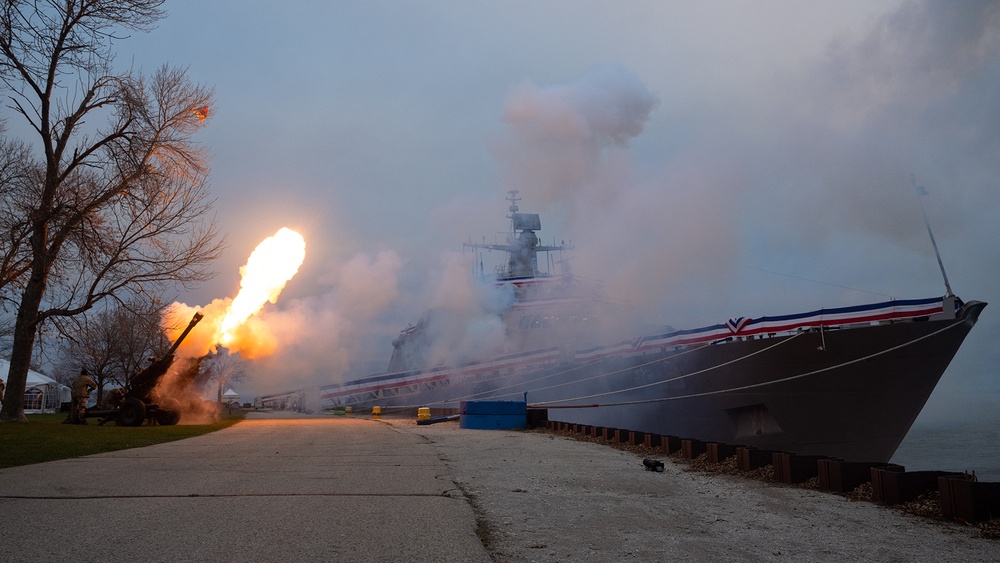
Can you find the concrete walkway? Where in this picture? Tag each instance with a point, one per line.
(352, 489)
(266, 489)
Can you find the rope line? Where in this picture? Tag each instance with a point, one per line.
(494, 392)
(615, 372)
(555, 403)
(679, 377)
(520, 385)
(784, 379)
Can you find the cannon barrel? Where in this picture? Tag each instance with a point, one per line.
(194, 320)
(143, 383)
(138, 402)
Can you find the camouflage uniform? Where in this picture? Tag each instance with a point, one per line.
(112, 400)
(81, 390)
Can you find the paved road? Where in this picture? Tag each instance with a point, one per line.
(323, 489)
(353, 489)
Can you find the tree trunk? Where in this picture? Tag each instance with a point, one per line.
(27, 315)
(20, 355)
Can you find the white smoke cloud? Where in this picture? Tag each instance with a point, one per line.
(567, 145)
(464, 323)
(558, 135)
(808, 176)
(321, 336)
(847, 132)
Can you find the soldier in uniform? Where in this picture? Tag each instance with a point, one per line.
(82, 386)
(112, 400)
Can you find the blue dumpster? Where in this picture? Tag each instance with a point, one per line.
(493, 415)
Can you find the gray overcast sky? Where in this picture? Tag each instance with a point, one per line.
(709, 158)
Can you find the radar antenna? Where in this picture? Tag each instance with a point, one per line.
(513, 199)
(921, 192)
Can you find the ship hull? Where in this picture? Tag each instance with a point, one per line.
(850, 393)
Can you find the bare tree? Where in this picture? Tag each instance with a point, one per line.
(224, 369)
(13, 228)
(112, 344)
(115, 202)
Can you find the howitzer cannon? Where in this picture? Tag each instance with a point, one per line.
(139, 401)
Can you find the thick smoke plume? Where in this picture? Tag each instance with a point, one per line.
(774, 196)
(562, 139)
(567, 149)
(324, 334)
(806, 174)
(185, 390)
(463, 322)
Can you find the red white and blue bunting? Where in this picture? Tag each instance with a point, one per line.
(736, 327)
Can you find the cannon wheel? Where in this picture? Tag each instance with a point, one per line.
(169, 412)
(133, 412)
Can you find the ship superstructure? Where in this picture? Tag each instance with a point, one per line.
(845, 382)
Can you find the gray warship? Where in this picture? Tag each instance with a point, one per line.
(843, 382)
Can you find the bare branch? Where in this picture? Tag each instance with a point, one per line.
(100, 213)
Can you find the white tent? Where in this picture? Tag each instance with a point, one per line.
(230, 396)
(41, 393)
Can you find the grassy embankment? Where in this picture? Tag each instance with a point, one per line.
(45, 438)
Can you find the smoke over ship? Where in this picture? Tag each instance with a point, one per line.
(845, 382)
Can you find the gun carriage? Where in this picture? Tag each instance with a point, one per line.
(141, 401)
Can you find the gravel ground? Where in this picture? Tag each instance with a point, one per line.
(546, 497)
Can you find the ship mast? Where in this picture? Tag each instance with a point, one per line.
(513, 199)
(921, 192)
(522, 244)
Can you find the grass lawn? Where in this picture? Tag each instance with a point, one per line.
(45, 438)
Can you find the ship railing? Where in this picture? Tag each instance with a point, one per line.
(745, 328)
(773, 325)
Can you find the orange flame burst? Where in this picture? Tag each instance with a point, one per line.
(275, 261)
(233, 322)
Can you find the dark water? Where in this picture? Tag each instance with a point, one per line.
(953, 446)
